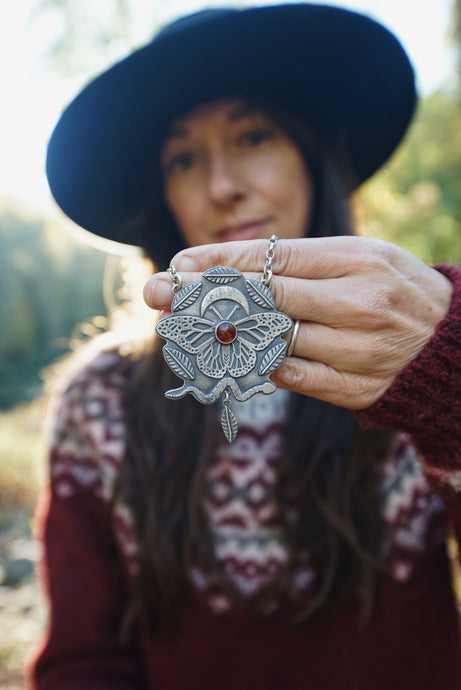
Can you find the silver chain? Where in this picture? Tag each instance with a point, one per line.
(267, 275)
(176, 279)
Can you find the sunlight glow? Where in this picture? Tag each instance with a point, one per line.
(33, 95)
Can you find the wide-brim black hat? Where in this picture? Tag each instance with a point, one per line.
(344, 72)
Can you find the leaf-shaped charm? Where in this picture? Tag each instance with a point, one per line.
(260, 294)
(186, 296)
(179, 363)
(222, 274)
(229, 423)
(273, 359)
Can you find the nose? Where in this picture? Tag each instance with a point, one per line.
(225, 183)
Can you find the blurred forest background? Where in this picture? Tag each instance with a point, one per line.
(56, 291)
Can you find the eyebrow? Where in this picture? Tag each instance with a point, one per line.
(239, 112)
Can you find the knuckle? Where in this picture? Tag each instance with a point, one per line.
(357, 392)
(375, 307)
(355, 350)
(371, 255)
(366, 390)
(380, 250)
(293, 374)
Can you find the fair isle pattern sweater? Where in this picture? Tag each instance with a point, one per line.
(411, 640)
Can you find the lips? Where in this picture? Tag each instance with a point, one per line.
(244, 230)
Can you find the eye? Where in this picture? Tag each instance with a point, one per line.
(179, 162)
(256, 136)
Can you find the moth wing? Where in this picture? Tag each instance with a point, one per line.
(188, 331)
(242, 358)
(213, 360)
(260, 330)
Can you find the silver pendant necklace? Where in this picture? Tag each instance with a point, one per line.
(224, 337)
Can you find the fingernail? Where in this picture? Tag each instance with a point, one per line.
(185, 263)
(157, 291)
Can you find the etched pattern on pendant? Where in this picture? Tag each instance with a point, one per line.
(225, 340)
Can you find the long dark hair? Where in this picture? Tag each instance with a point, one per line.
(328, 470)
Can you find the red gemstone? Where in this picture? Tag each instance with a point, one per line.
(226, 332)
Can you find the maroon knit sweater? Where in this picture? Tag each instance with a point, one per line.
(411, 641)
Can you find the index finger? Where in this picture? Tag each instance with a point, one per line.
(315, 257)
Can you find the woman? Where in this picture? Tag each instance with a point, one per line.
(309, 552)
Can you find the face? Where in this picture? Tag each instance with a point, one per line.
(231, 173)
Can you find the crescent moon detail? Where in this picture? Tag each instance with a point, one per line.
(225, 292)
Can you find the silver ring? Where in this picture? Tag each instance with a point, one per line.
(293, 338)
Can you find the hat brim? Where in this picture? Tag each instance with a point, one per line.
(345, 73)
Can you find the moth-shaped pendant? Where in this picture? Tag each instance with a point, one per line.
(224, 338)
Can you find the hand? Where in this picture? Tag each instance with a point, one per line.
(366, 307)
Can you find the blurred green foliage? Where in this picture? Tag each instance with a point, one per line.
(415, 201)
(49, 282)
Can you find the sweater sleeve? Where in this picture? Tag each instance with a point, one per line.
(425, 401)
(87, 645)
